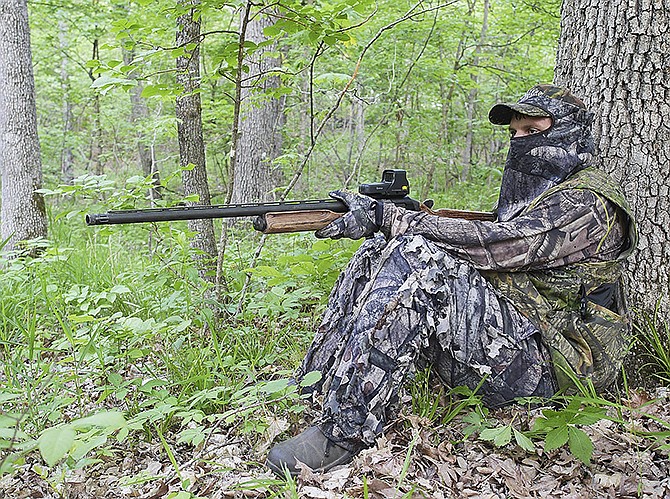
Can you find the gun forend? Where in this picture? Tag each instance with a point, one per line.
(296, 221)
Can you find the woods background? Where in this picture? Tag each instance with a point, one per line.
(260, 97)
(179, 330)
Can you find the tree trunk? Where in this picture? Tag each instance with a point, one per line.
(23, 214)
(262, 117)
(189, 130)
(446, 103)
(95, 163)
(356, 138)
(67, 156)
(615, 55)
(471, 104)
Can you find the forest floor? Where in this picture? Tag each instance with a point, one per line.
(415, 458)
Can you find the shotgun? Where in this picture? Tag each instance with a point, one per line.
(287, 216)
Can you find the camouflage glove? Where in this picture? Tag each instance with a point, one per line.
(359, 221)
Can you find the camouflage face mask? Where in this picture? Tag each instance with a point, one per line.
(538, 162)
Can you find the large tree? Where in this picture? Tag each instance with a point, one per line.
(189, 127)
(615, 54)
(23, 214)
(259, 141)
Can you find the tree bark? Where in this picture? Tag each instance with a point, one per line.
(23, 213)
(262, 117)
(191, 142)
(615, 55)
(471, 103)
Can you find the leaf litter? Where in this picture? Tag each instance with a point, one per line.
(414, 458)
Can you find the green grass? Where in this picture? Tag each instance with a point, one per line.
(104, 321)
(652, 345)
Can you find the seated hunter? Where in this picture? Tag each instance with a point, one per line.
(524, 306)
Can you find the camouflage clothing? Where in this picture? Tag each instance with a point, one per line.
(580, 308)
(435, 294)
(538, 162)
(512, 305)
(408, 302)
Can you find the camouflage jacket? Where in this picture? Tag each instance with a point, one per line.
(587, 339)
(558, 262)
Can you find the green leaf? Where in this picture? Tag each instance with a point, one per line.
(310, 378)
(151, 384)
(523, 441)
(266, 271)
(107, 81)
(580, 445)
(180, 495)
(54, 443)
(84, 446)
(115, 378)
(6, 397)
(277, 385)
(554, 418)
(193, 436)
(556, 438)
(13, 434)
(500, 436)
(158, 89)
(589, 416)
(271, 31)
(314, 36)
(334, 79)
(108, 419)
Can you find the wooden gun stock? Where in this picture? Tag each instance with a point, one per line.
(294, 221)
(297, 221)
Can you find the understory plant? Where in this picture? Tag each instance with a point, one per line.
(564, 421)
(652, 345)
(108, 337)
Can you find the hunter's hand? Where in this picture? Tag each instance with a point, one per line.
(358, 222)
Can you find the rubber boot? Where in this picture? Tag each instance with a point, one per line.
(310, 447)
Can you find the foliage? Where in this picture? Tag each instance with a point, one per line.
(652, 341)
(409, 77)
(100, 326)
(564, 424)
(555, 428)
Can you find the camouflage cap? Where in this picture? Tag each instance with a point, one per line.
(533, 103)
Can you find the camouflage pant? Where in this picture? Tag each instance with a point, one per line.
(404, 303)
